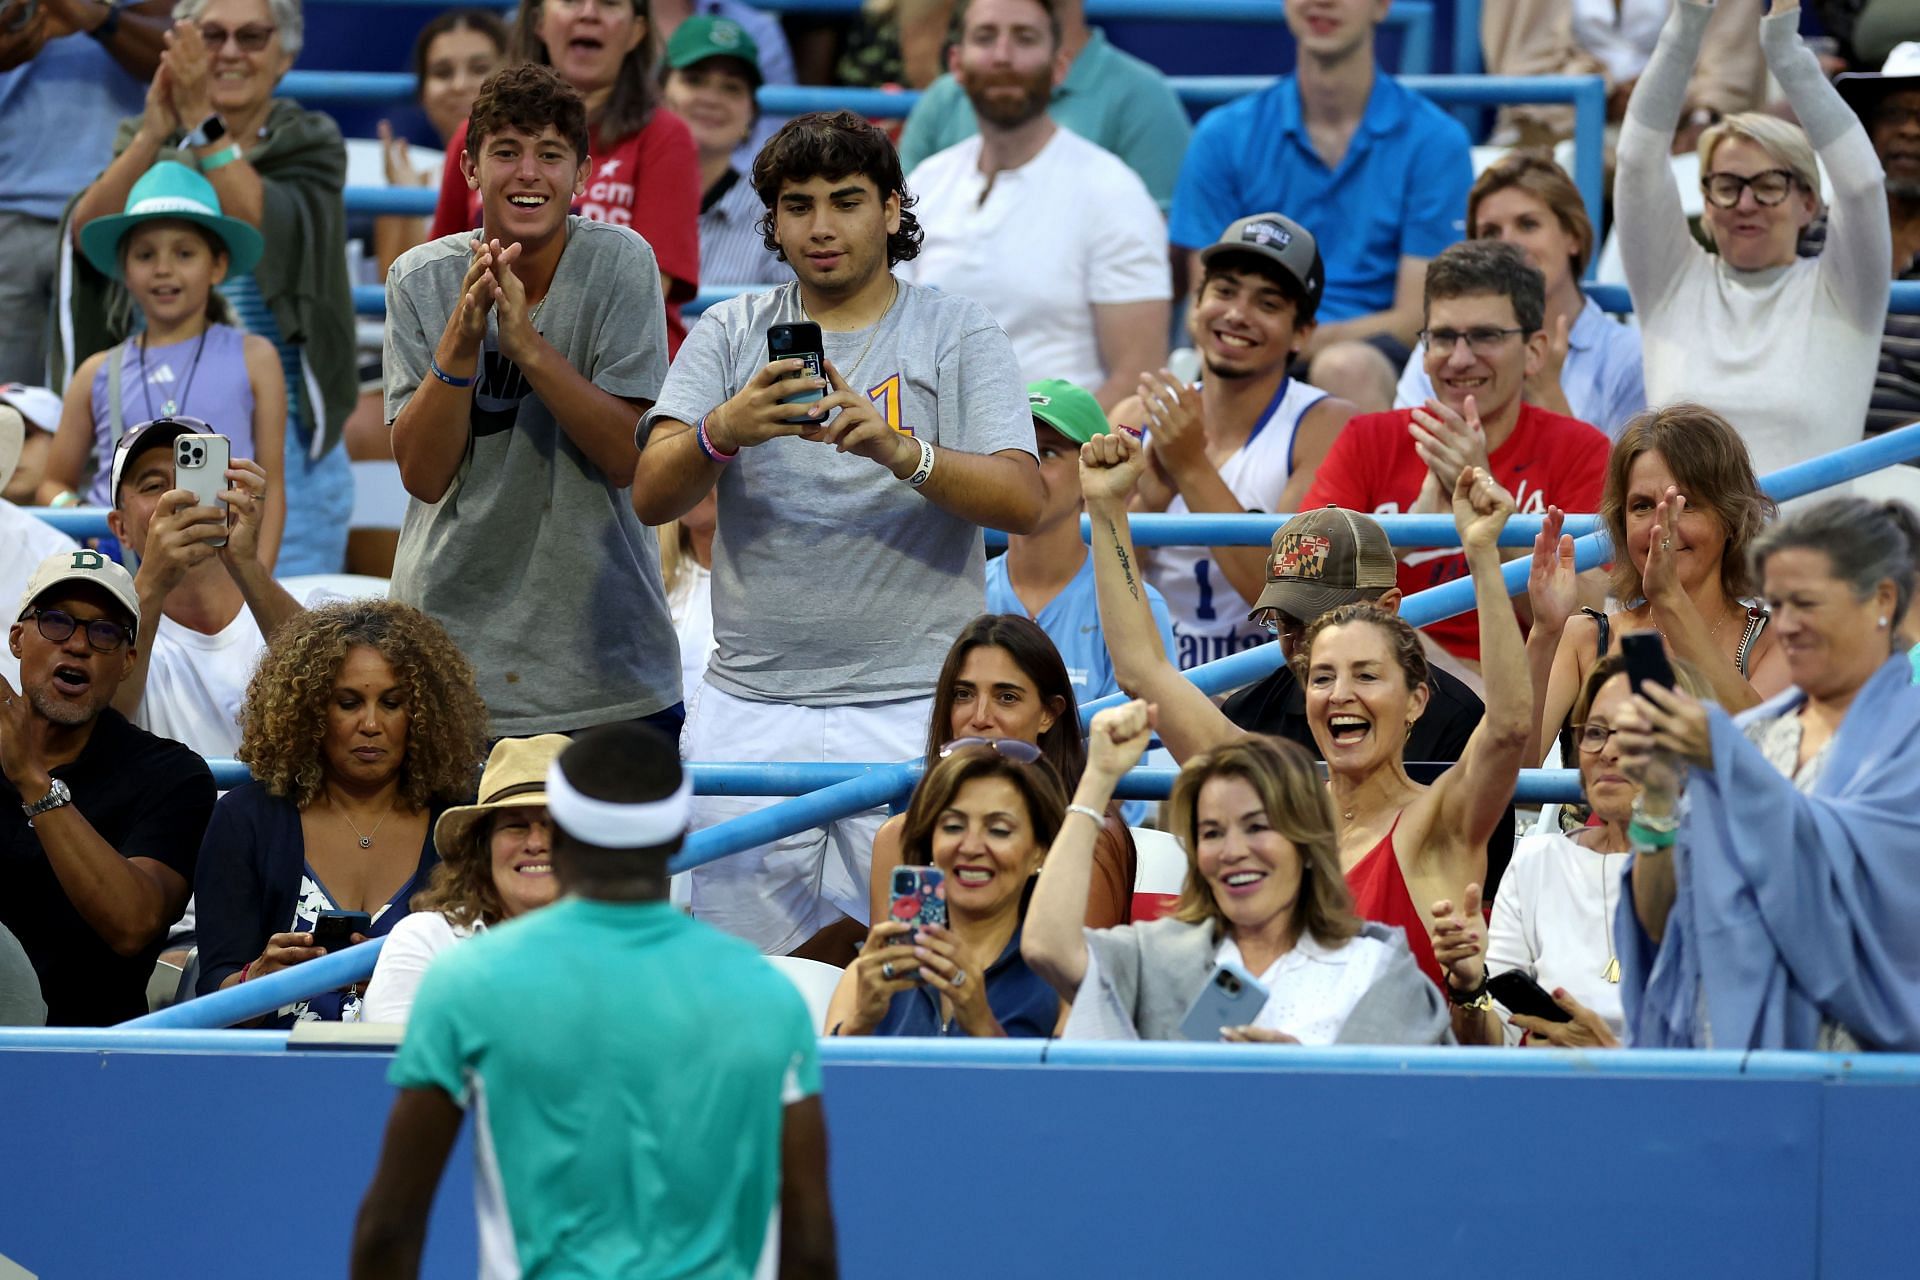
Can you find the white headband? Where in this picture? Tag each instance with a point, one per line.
(612, 825)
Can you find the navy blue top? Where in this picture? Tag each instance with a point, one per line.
(253, 881)
(1021, 1001)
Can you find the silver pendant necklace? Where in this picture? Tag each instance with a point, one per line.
(366, 840)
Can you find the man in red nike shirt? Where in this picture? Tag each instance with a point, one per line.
(1484, 307)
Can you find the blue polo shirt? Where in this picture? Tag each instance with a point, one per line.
(1399, 192)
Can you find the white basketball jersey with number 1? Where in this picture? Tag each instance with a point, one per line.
(1209, 617)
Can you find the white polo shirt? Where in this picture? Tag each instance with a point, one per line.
(1071, 228)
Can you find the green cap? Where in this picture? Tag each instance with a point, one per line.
(1072, 412)
(704, 36)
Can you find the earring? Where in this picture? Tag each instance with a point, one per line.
(1883, 622)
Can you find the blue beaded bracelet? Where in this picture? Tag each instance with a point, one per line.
(433, 363)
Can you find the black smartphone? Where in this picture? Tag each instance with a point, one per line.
(1646, 656)
(333, 930)
(799, 340)
(1524, 996)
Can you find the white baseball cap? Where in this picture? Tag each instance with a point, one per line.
(82, 564)
(39, 406)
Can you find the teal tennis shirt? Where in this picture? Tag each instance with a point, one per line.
(626, 1069)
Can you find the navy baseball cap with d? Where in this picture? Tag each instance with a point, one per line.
(156, 434)
(1277, 239)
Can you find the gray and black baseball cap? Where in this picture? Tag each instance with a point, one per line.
(1278, 239)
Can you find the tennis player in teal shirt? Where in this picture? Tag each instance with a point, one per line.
(643, 1087)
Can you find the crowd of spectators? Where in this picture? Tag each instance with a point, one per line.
(773, 552)
(757, 534)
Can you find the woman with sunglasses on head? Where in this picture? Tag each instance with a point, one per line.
(1004, 685)
(1786, 347)
(1553, 918)
(1263, 893)
(983, 819)
(277, 167)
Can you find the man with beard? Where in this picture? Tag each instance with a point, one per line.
(100, 822)
(1888, 103)
(848, 552)
(1058, 238)
(1247, 438)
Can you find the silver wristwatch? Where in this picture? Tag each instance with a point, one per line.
(56, 796)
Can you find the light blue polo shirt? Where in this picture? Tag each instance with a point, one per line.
(1601, 379)
(627, 1070)
(61, 110)
(1399, 192)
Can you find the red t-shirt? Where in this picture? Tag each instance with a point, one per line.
(1549, 460)
(662, 157)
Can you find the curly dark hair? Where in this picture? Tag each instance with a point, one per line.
(461, 887)
(835, 145)
(285, 717)
(528, 97)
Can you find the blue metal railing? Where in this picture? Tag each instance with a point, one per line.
(1587, 94)
(877, 785)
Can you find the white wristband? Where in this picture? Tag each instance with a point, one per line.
(925, 469)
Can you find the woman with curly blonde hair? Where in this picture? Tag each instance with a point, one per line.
(361, 725)
(496, 862)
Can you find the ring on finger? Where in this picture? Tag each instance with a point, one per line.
(886, 970)
(959, 977)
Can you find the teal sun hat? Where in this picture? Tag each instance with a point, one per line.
(170, 191)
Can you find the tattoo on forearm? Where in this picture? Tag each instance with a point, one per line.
(1126, 566)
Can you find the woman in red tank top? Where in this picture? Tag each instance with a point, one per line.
(1365, 677)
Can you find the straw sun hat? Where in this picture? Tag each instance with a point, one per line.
(516, 774)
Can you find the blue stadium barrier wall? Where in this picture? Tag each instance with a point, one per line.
(217, 1155)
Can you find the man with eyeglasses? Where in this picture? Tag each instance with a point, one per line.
(100, 821)
(1484, 308)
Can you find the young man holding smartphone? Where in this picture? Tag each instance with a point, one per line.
(518, 362)
(848, 552)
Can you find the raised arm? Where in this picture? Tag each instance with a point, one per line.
(1051, 940)
(1471, 797)
(1678, 619)
(1189, 722)
(1853, 265)
(1553, 592)
(1655, 242)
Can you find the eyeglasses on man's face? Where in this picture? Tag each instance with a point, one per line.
(103, 634)
(1481, 341)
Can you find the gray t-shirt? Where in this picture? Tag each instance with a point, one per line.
(833, 582)
(533, 559)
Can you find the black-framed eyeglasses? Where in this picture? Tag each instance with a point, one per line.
(1770, 187)
(103, 634)
(1481, 341)
(252, 38)
(1592, 738)
(1010, 748)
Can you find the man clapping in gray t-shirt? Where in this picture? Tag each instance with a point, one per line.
(848, 552)
(517, 365)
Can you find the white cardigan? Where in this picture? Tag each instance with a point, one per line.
(410, 947)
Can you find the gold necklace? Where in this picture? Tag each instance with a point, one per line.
(1612, 970)
(854, 372)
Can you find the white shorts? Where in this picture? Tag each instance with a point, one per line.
(779, 895)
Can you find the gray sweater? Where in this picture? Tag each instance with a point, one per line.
(1156, 969)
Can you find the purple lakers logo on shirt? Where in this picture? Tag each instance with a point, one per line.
(1301, 555)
